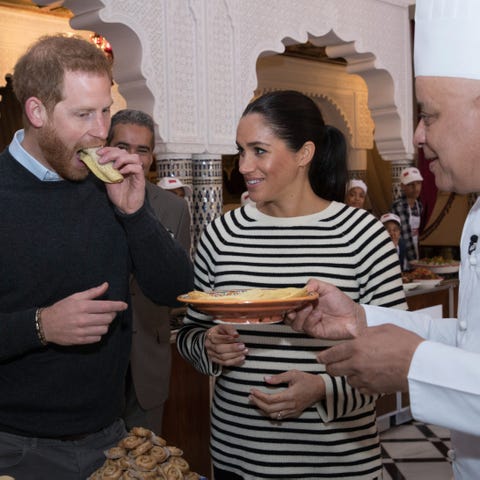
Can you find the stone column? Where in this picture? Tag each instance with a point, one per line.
(177, 165)
(207, 201)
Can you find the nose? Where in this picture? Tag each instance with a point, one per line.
(100, 127)
(245, 165)
(419, 135)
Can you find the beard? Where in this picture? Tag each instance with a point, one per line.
(60, 157)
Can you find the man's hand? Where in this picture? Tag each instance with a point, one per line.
(334, 316)
(80, 318)
(128, 196)
(376, 362)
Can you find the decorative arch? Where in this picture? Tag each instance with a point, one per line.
(336, 112)
(381, 98)
(343, 96)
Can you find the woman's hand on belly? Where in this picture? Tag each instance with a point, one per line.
(302, 391)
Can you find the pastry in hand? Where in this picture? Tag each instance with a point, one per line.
(104, 171)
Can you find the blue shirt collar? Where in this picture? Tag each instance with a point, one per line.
(30, 163)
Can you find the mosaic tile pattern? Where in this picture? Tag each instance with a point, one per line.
(207, 198)
(416, 451)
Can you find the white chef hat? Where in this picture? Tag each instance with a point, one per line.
(356, 183)
(390, 217)
(409, 175)
(447, 38)
(170, 183)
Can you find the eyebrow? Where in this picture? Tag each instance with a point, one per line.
(255, 144)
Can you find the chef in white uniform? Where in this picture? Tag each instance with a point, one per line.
(436, 360)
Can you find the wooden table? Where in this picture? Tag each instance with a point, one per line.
(186, 415)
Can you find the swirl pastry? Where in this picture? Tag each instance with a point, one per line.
(141, 449)
(139, 475)
(112, 472)
(141, 432)
(145, 463)
(131, 442)
(156, 440)
(128, 476)
(115, 452)
(174, 451)
(171, 472)
(191, 476)
(160, 454)
(124, 462)
(181, 463)
(151, 475)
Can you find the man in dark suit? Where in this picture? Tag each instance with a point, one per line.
(148, 378)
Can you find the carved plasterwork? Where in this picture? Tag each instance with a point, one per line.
(193, 62)
(342, 97)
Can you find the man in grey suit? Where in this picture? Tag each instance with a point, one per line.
(147, 381)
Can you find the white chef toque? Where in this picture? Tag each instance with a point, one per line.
(447, 38)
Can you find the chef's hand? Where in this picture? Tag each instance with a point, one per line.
(303, 390)
(224, 347)
(376, 362)
(334, 316)
(129, 195)
(80, 318)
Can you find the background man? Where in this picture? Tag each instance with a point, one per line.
(149, 373)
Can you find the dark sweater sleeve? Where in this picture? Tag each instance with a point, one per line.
(17, 334)
(162, 267)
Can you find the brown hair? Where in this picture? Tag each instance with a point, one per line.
(40, 71)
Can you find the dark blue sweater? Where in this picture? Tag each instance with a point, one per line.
(56, 239)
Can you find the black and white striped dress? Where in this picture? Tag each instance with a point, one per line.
(337, 437)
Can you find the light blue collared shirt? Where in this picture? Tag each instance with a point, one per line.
(30, 163)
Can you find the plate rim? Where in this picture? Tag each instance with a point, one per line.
(311, 296)
(428, 281)
(246, 310)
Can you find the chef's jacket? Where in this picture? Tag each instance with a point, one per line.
(444, 375)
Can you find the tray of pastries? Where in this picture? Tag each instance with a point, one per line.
(438, 265)
(142, 455)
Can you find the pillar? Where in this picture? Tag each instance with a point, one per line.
(207, 198)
